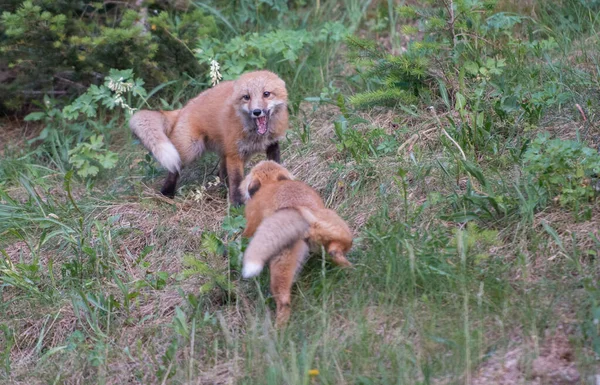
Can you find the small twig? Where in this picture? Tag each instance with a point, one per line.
(586, 122)
(164, 381)
(44, 92)
(191, 363)
(179, 41)
(474, 36)
(581, 112)
(165, 199)
(450, 8)
(432, 110)
(80, 86)
(413, 138)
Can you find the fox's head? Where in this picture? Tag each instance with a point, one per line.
(259, 96)
(263, 173)
(328, 229)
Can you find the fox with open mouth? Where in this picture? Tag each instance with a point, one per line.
(236, 119)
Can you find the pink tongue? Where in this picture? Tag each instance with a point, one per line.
(262, 124)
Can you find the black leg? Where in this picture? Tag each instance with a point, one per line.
(235, 171)
(168, 189)
(234, 189)
(273, 152)
(223, 172)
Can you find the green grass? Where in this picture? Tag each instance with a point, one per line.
(466, 256)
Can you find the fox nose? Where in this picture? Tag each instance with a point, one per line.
(257, 112)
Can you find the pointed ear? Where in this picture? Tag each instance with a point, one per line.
(253, 187)
(283, 177)
(284, 174)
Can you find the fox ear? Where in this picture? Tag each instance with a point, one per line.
(284, 174)
(283, 177)
(253, 187)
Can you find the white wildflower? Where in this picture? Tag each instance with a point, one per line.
(198, 194)
(119, 87)
(215, 183)
(215, 75)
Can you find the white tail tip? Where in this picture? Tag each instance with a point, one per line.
(251, 269)
(168, 156)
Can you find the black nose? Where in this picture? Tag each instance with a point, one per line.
(257, 112)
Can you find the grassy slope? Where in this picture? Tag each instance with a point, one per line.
(124, 287)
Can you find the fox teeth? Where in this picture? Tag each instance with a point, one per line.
(262, 124)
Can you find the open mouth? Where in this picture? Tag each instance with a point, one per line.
(261, 124)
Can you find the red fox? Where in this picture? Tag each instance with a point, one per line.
(283, 215)
(236, 119)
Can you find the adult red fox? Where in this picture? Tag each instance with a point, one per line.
(236, 119)
(283, 215)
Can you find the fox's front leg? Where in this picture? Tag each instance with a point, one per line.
(273, 152)
(337, 255)
(235, 173)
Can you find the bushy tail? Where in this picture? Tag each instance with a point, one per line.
(275, 233)
(151, 128)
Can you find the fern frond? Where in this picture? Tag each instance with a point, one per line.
(388, 97)
(363, 49)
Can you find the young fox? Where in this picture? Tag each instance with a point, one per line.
(282, 215)
(236, 119)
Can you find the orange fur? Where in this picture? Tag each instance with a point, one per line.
(282, 215)
(235, 119)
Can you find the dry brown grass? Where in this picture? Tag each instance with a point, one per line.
(14, 133)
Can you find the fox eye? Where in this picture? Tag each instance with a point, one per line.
(266, 94)
(246, 97)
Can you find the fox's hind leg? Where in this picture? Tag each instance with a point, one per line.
(283, 269)
(188, 150)
(223, 172)
(170, 185)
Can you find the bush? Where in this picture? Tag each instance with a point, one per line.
(63, 136)
(563, 168)
(60, 48)
(467, 47)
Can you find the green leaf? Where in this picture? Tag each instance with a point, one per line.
(35, 116)
(108, 160)
(88, 170)
(471, 67)
(461, 102)
(234, 223)
(475, 171)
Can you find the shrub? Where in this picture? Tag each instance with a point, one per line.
(285, 51)
(60, 48)
(563, 168)
(89, 155)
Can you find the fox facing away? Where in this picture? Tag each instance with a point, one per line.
(283, 216)
(236, 119)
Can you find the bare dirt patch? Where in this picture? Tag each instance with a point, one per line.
(519, 364)
(14, 133)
